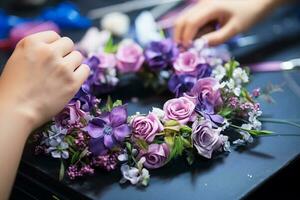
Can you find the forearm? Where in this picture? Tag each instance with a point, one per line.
(14, 130)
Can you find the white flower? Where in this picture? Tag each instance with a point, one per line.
(219, 72)
(240, 76)
(117, 23)
(226, 146)
(237, 91)
(94, 40)
(136, 175)
(158, 112)
(225, 124)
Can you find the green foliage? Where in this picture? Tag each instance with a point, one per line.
(230, 67)
(225, 111)
(142, 144)
(61, 170)
(190, 157)
(110, 47)
(260, 132)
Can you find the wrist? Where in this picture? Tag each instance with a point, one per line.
(14, 115)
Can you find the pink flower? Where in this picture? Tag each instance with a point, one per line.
(206, 89)
(187, 63)
(107, 60)
(146, 127)
(156, 156)
(179, 109)
(129, 57)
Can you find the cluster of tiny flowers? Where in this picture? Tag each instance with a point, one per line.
(108, 162)
(234, 102)
(80, 140)
(73, 171)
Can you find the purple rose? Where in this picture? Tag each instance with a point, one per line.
(70, 116)
(205, 138)
(108, 130)
(180, 109)
(161, 54)
(107, 60)
(129, 57)
(146, 127)
(156, 155)
(206, 89)
(186, 63)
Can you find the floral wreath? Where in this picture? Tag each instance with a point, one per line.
(210, 99)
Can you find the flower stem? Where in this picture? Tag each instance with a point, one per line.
(279, 121)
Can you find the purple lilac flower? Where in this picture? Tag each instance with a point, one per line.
(108, 130)
(74, 171)
(161, 54)
(107, 162)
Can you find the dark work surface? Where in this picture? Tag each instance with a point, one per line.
(266, 167)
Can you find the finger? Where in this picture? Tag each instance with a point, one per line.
(46, 36)
(73, 59)
(178, 29)
(193, 24)
(81, 74)
(222, 35)
(63, 46)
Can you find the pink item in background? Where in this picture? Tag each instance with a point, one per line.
(28, 28)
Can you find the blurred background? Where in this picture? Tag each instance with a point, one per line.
(276, 38)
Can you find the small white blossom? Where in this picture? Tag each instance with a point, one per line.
(219, 72)
(240, 76)
(158, 112)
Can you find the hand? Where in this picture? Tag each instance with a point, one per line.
(41, 76)
(234, 16)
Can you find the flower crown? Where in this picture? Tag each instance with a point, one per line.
(210, 99)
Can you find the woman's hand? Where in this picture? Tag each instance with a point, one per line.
(234, 16)
(41, 76)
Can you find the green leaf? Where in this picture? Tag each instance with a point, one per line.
(128, 146)
(185, 130)
(83, 153)
(260, 132)
(177, 148)
(110, 47)
(61, 170)
(142, 144)
(225, 111)
(169, 140)
(117, 103)
(172, 123)
(190, 157)
(75, 157)
(230, 67)
(109, 103)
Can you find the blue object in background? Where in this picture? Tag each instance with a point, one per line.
(66, 15)
(7, 23)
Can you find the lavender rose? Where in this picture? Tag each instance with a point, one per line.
(186, 62)
(179, 109)
(156, 155)
(205, 138)
(206, 89)
(146, 127)
(129, 57)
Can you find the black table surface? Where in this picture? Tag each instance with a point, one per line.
(227, 176)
